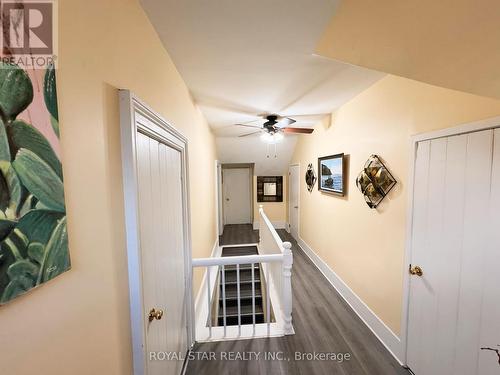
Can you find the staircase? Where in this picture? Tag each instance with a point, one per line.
(231, 290)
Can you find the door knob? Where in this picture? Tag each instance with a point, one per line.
(155, 314)
(227, 199)
(416, 270)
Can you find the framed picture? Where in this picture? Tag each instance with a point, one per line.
(331, 174)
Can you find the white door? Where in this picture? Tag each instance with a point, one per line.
(454, 311)
(159, 171)
(237, 196)
(293, 201)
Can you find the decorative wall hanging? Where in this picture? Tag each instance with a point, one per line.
(33, 235)
(310, 177)
(331, 174)
(375, 181)
(269, 188)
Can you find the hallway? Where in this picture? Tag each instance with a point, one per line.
(323, 323)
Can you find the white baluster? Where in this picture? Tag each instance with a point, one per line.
(253, 296)
(238, 296)
(209, 303)
(224, 297)
(287, 287)
(268, 300)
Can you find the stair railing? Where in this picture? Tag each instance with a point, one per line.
(276, 259)
(280, 275)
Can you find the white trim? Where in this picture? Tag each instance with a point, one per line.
(471, 127)
(200, 307)
(219, 215)
(247, 332)
(276, 225)
(289, 200)
(131, 108)
(385, 335)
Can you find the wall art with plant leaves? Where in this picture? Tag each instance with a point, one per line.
(33, 233)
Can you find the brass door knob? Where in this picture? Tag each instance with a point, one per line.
(416, 270)
(155, 314)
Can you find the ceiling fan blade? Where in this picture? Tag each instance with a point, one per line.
(298, 130)
(246, 135)
(285, 121)
(313, 115)
(250, 126)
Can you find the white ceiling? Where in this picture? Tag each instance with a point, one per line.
(252, 150)
(241, 58)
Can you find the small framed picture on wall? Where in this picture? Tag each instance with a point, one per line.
(331, 174)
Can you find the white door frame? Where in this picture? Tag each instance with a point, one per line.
(162, 130)
(219, 204)
(290, 201)
(472, 127)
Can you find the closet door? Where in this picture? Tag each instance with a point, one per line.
(453, 302)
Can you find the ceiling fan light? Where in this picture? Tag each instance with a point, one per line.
(266, 137)
(278, 137)
(271, 138)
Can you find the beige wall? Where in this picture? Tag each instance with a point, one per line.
(79, 322)
(275, 211)
(365, 247)
(449, 43)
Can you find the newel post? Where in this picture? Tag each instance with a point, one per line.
(287, 287)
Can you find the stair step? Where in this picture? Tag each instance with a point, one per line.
(239, 251)
(245, 310)
(243, 267)
(245, 319)
(244, 293)
(245, 277)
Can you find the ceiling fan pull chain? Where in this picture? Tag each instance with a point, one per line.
(268, 150)
(275, 150)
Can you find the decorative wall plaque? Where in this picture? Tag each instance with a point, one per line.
(375, 181)
(310, 177)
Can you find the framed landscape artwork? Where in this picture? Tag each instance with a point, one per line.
(33, 233)
(331, 174)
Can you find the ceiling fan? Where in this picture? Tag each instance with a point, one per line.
(276, 124)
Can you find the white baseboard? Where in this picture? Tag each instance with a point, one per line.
(388, 338)
(276, 225)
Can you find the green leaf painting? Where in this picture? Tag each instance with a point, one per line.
(16, 91)
(33, 226)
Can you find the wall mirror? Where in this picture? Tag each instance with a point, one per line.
(269, 188)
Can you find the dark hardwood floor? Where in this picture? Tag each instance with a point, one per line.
(234, 234)
(323, 323)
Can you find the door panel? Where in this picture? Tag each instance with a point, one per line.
(237, 199)
(417, 288)
(293, 208)
(162, 244)
(451, 304)
(477, 193)
(450, 255)
(490, 319)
